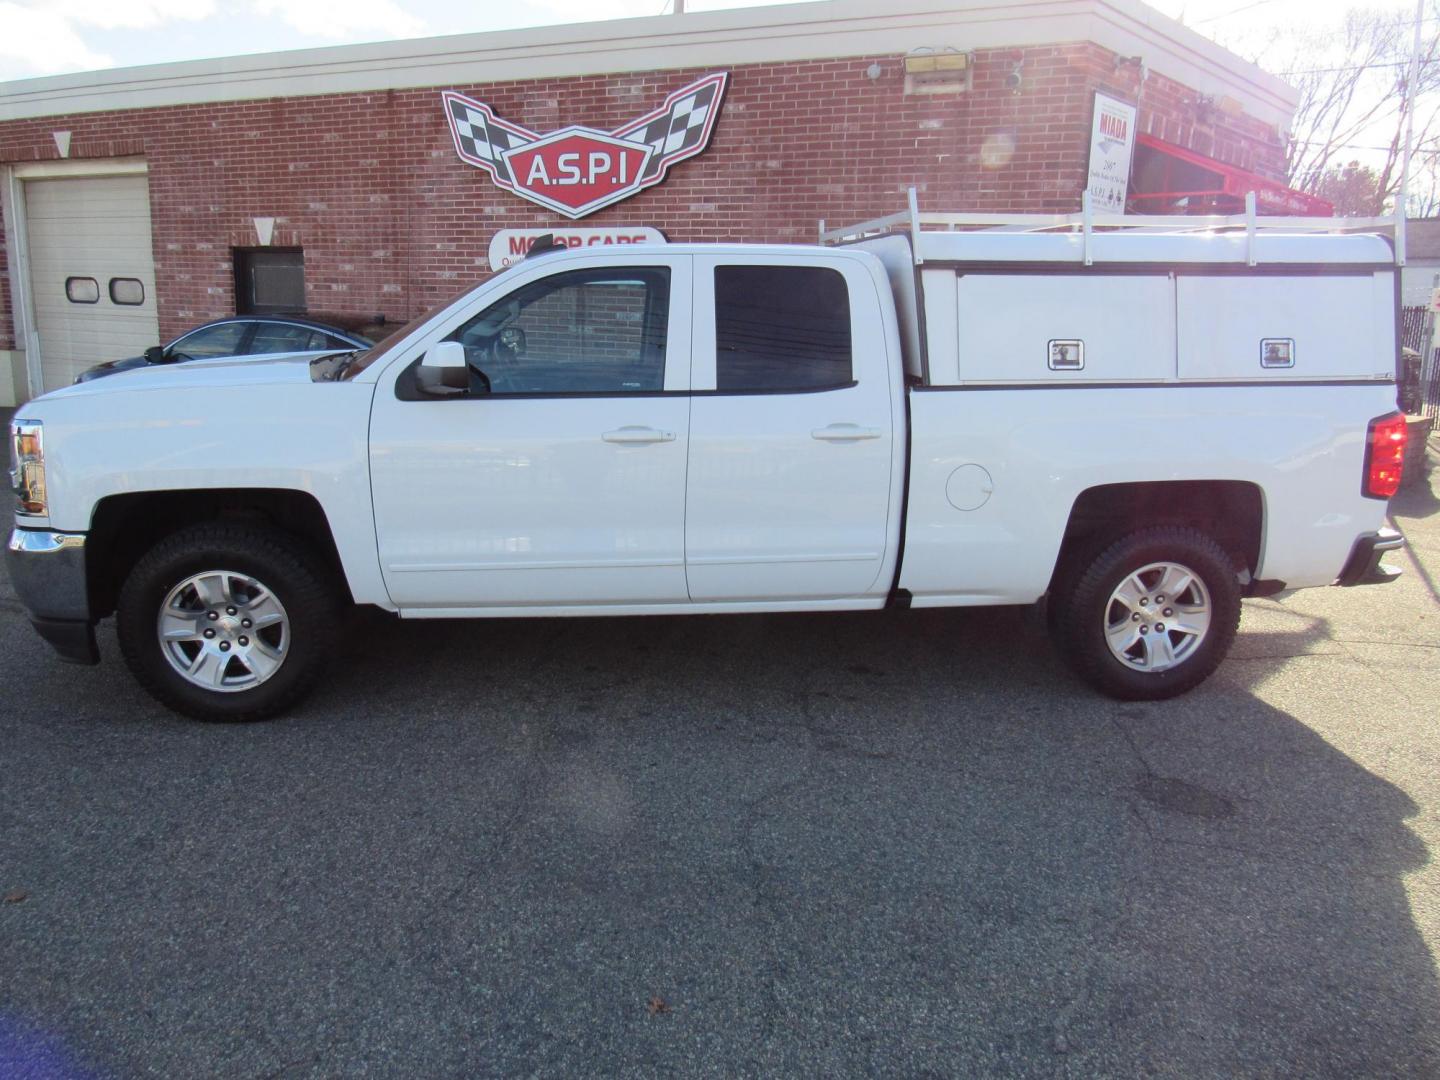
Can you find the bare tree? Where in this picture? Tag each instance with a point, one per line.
(1354, 100)
(1424, 195)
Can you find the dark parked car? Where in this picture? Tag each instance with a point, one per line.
(239, 335)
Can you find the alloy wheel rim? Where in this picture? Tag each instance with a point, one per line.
(223, 631)
(1157, 617)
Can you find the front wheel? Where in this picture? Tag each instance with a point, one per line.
(1152, 616)
(227, 622)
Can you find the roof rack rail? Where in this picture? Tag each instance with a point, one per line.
(1088, 222)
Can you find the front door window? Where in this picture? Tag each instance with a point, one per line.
(586, 332)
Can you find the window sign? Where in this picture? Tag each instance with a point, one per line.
(1112, 142)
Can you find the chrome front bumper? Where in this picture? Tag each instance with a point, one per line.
(47, 571)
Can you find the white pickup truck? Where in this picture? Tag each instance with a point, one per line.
(1142, 419)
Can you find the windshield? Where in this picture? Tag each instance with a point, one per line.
(370, 356)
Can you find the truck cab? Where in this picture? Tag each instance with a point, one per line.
(668, 427)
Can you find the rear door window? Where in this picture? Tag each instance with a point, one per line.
(781, 328)
(220, 340)
(283, 337)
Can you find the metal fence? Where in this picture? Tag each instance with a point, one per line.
(1420, 378)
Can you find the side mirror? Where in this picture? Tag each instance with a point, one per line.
(443, 371)
(155, 354)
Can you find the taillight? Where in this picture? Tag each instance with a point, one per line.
(1385, 455)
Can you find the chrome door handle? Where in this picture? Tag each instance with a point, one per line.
(845, 433)
(632, 435)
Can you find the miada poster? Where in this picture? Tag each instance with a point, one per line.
(1112, 142)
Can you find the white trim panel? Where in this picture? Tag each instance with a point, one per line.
(807, 31)
(8, 359)
(80, 168)
(729, 607)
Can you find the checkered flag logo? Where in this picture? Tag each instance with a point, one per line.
(678, 129)
(481, 137)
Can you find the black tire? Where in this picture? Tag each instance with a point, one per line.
(1081, 602)
(285, 566)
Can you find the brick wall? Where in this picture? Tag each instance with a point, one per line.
(392, 222)
(1176, 114)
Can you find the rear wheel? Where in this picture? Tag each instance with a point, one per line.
(1151, 616)
(228, 622)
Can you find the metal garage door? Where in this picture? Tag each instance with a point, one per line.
(92, 274)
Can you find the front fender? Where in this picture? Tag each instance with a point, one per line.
(307, 437)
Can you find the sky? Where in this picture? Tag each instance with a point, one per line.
(44, 37)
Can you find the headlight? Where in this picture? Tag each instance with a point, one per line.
(27, 474)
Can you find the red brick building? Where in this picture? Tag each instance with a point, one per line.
(344, 155)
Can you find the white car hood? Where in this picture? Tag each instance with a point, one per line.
(277, 368)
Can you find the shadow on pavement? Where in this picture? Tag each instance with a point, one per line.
(1418, 498)
(1413, 509)
(841, 844)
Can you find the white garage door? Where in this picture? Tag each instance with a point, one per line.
(92, 274)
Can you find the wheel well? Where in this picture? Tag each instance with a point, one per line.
(124, 527)
(1230, 511)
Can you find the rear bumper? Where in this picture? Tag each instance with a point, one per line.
(1364, 566)
(47, 570)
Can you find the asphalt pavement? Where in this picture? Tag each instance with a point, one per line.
(906, 843)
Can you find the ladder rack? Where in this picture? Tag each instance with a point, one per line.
(1088, 222)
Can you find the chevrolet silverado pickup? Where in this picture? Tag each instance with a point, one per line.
(1141, 420)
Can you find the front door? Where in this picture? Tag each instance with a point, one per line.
(792, 442)
(558, 478)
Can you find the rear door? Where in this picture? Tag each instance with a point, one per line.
(792, 441)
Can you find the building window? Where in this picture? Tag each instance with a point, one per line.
(127, 290)
(82, 290)
(269, 281)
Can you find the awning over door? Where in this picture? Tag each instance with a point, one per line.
(1169, 179)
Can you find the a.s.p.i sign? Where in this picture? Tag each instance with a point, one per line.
(578, 170)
